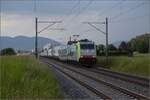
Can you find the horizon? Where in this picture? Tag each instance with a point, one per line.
(60, 42)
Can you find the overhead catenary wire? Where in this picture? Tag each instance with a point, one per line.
(89, 3)
(96, 28)
(34, 6)
(112, 7)
(82, 10)
(129, 19)
(52, 22)
(127, 11)
(71, 10)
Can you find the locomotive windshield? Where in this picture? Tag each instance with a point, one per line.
(87, 46)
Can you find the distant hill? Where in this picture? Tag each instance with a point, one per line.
(24, 43)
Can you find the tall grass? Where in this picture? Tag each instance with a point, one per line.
(23, 77)
(137, 65)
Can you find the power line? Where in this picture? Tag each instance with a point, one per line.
(46, 27)
(129, 19)
(85, 31)
(34, 6)
(81, 11)
(127, 11)
(71, 10)
(112, 7)
(96, 28)
(78, 4)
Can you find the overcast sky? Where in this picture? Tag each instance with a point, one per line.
(126, 18)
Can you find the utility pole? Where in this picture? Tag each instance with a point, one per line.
(36, 39)
(105, 33)
(107, 38)
(51, 23)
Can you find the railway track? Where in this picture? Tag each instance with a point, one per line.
(143, 81)
(123, 90)
(123, 76)
(127, 92)
(131, 78)
(95, 91)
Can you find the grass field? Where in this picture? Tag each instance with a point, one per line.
(137, 65)
(23, 77)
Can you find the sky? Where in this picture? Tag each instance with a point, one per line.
(126, 18)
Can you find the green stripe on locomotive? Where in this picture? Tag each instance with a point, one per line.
(78, 51)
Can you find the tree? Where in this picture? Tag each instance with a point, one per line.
(7, 51)
(123, 47)
(111, 47)
(100, 49)
(140, 43)
(131, 45)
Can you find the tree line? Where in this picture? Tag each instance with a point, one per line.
(7, 51)
(138, 44)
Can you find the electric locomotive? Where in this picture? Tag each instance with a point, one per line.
(82, 51)
(85, 51)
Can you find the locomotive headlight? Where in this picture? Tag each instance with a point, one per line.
(93, 56)
(81, 56)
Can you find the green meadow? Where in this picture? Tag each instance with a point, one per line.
(24, 77)
(137, 65)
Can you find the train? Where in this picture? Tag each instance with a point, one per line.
(81, 51)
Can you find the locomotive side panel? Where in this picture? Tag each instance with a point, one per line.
(72, 52)
(63, 53)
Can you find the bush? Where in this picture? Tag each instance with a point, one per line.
(114, 53)
(100, 48)
(7, 51)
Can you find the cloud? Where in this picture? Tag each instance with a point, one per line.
(13, 25)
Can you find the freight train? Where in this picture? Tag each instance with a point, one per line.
(82, 51)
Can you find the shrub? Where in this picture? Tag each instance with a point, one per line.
(7, 51)
(114, 53)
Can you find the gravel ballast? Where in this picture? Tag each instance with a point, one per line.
(71, 89)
